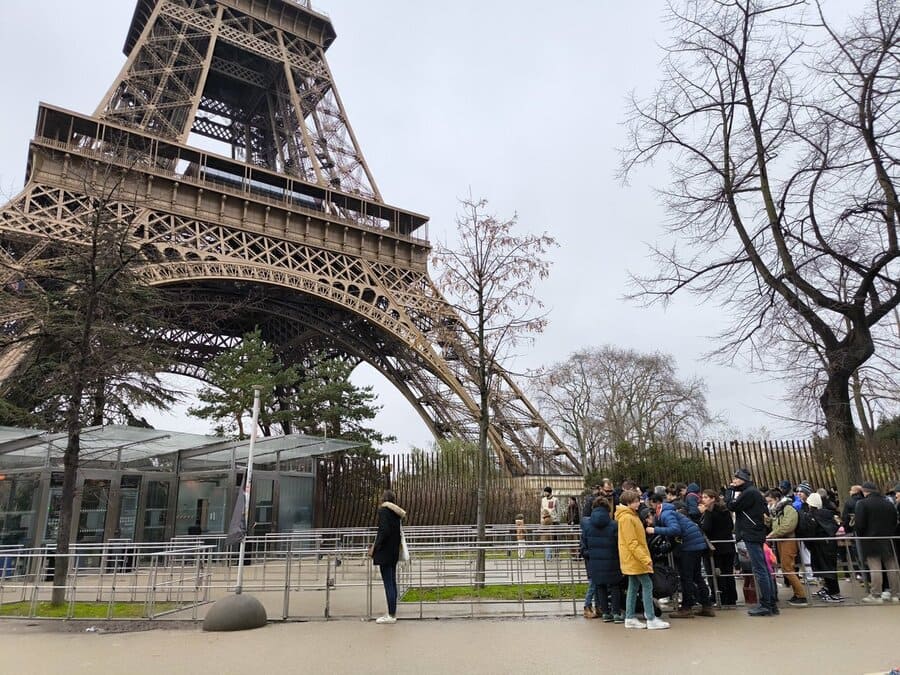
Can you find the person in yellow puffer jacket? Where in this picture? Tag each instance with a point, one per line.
(635, 562)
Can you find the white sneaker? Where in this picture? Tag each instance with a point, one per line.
(387, 618)
(872, 600)
(634, 623)
(657, 624)
(886, 596)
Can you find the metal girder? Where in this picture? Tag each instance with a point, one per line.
(329, 275)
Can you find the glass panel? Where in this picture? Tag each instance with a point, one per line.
(94, 505)
(201, 506)
(18, 503)
(156, 510)
(295, 501)
(53, 506)
(128, 505)
(262, 492)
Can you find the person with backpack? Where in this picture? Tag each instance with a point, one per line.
(749, 507)
(784, 520)
(824, 551)
(671, 523)
(635, 561)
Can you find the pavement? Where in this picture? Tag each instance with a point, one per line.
(836, 641)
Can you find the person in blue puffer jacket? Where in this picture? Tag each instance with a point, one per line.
(600, 544)
(671, 523)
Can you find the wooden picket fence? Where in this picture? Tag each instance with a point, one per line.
(438, 489)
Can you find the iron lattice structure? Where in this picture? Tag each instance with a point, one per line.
(286, 208)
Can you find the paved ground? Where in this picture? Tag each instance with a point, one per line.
(851, 640)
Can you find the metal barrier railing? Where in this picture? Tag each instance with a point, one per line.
(327, 574)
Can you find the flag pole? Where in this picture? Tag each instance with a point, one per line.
(247, 480)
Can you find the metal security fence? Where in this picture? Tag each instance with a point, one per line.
(441, 489)
(326, 574)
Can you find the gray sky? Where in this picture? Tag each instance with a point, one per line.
(520, 101)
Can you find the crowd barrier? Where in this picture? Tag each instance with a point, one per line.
(327, 574)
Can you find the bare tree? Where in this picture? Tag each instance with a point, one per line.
(488, 279)
(604, 396)
(783, 132)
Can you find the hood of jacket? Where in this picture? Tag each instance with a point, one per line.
(622, 512)
(694, 487)
(393, 507)
(600, 518)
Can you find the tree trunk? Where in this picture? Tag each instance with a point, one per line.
(864, 421)
(63, 535)
(835, 403)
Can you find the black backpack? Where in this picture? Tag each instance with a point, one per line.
(806, 524)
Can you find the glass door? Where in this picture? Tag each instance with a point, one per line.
(129, 492)
(156, 510)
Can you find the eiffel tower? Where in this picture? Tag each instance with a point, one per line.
(286, 206)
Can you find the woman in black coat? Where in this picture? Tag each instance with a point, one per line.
(718, 526)
(600, 539)
(385, 552)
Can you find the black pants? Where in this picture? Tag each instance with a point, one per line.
(389, 578)
(693, 587)
(607, 592)
(824, 564)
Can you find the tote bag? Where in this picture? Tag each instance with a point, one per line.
(404, 550)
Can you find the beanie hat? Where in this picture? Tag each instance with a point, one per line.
(785, 487)
(805, 488)
(869, 486)
(742, 474)
(815, 500)
(693, 487)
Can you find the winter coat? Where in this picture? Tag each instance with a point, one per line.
(784, 520)
(671, 523)
(386, 550)
(717, 523)
(572, 515)
(600, 539)
(749, 513)
(634, 556)
(875, 517)
(849, 512)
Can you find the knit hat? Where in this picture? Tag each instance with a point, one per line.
(785, 487)
(742, 474)
(869, 486)
(815, 501)
(693, 487)
(805, 488)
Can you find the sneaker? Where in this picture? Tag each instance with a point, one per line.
(607, 618)
(797, 601)
(886, 596)
(759, 611)
(589, 613)
(618, 618)
(634, 623)
(683, 613)
(822, 593)
(873, 600)
(833, 598)
(657, 624)
(387, 618)
(774, 611)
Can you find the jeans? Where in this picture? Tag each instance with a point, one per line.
(693, 587)
(764, 587)
(389, 578)
(591, 594)
(607, 591)
(642, 580)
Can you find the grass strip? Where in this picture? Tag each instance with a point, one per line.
(84, 610)
(495, 592)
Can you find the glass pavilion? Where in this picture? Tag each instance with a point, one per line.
(150, 485)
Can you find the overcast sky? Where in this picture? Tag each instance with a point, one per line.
(521, 101)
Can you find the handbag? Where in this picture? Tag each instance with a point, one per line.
(404, 549)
